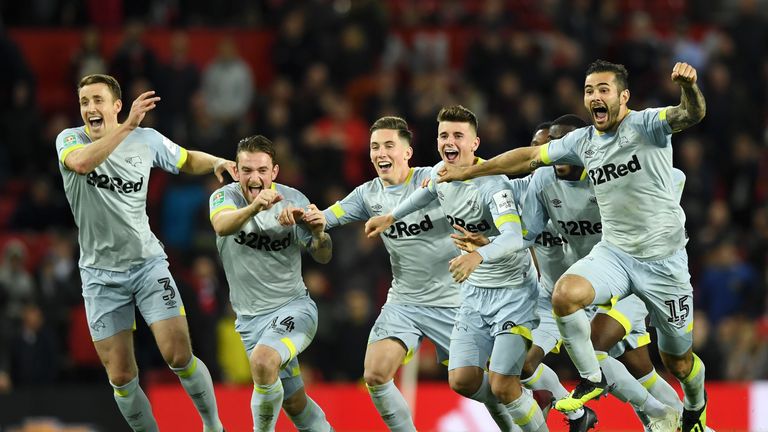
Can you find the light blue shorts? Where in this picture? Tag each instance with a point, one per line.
(663, 285)
(411, 323)
(288, 330)
(111, 297)
(485, 316)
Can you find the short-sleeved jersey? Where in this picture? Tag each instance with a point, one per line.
(262, 260)
(109, 203)
(631, 171)
(487, 205)
(549, 247)
(419, 245)
(548, 244)
(571, 207)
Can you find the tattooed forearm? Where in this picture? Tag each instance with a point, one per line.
(691, 110)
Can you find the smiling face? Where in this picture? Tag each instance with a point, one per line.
(98, 109)
(390, 154)
(605, 102)
(255, 172)
(457, 142)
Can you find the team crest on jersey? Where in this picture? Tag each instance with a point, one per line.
(472, 204)
(557, 203)
(623, 141)
(218, 198)
(133, 160)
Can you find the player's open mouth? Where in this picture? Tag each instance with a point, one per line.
(451, 154)
(384, 166)
(600, 113)
(254, 190)
(95, 122)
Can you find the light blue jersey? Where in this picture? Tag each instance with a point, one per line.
(262, 261)
(419, 245)
(109, 203)
(485, 205)
(631, 172)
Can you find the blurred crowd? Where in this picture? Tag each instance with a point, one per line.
(335, 67)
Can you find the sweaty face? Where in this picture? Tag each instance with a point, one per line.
(255, 172)
(563, 171)
(603, 100)
(457, 142)
(98, 109)
(390, 155)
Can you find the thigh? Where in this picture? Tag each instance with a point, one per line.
(383, 358)
(471, 340)
(508, 354)
(437, 324)
(109, 303)
(607, 270)
(398, 323)
(117, 355)
(665, 288)
(288, 330)
(157, 296)
(546, 335)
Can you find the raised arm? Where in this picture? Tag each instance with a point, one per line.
(692, 107)
(86, 158)
(518, 161)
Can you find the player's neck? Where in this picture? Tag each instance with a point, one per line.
(400, 179)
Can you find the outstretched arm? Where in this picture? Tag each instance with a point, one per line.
(202, 163)
(85, 159)
(518, 161)
(692, 105)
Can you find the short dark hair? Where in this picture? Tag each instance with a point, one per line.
(255, 144)
(110, 81)
(394, 123)
(619, 71)
(457, 113)
(542, 125)
(570, 120)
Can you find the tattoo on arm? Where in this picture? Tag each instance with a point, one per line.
(690, 111)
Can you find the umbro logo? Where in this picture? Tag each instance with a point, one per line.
(133, 160)
(473, 205)
(589, 153)
(557, 203)
(376, 208)
(593, 199)
(440, 195)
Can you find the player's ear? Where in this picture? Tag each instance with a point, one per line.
(408, 153)
(476, 144)
(275, 170)
(624, 96)
(118, 105)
